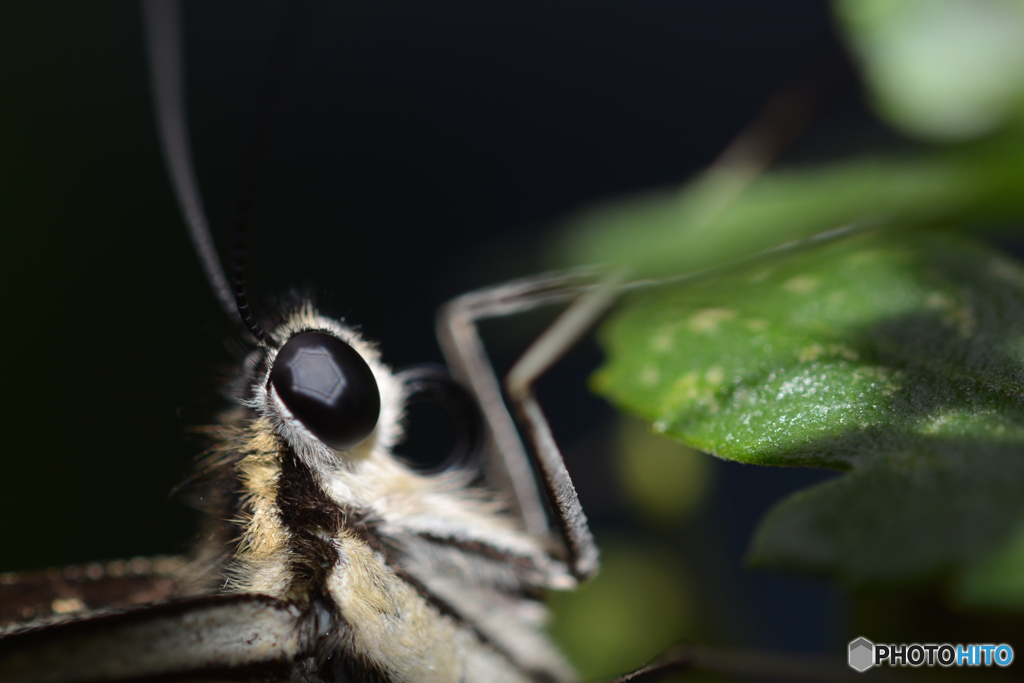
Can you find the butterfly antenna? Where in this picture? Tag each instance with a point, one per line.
(296, 24)
(162, 21)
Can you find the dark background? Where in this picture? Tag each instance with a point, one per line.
(422, 149)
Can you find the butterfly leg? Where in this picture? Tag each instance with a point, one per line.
(739, 663)
(464, 350)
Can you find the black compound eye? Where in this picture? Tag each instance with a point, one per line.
(328, 387)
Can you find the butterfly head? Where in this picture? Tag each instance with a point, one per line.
(325, 391)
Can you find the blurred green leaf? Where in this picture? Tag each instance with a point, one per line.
(940, 69)
(727, 215)
(665, 480)
(926, 511)
(897, 356)
(997, 582)
(638, 605)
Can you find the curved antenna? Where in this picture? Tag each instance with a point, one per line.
(162, 23)
(238, 280)
(297, 21)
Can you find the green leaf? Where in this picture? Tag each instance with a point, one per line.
(897, 357)
(641, 603)
(940, 69)
(664, 480)
(726, 215)
(996, 583)
(921, 513)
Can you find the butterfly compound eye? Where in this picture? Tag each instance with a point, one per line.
(328, 387)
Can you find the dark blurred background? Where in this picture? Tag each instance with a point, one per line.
(421, 149)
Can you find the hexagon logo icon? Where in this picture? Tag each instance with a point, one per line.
(862, 654)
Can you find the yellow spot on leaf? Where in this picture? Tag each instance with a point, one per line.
(843, 351)
(801, 284)
(708, 319)
(686, 386)
(664, 341)
(811, 353)
(714, 376)
(937, 301)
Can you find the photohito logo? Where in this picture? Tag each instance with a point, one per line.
(864, 654)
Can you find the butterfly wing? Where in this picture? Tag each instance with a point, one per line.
(55, 594)
(230, 637)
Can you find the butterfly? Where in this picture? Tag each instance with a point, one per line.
(306, 619)
(324, 556)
